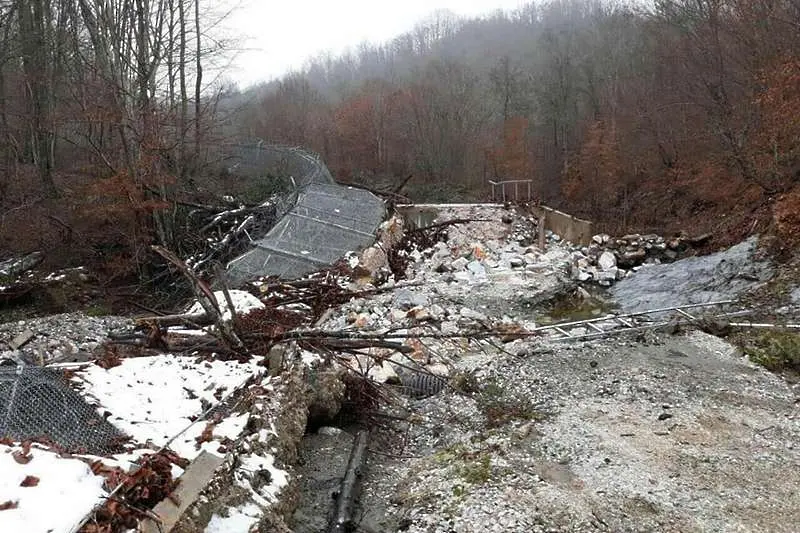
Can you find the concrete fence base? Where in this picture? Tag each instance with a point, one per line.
(573, 229)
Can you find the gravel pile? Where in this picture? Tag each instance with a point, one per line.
(59, 338)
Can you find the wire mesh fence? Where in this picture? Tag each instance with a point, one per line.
(321, 220)
(38, 403)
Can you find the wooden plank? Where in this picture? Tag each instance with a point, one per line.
(192, 482)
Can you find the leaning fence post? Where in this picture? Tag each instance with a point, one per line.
(542, 218)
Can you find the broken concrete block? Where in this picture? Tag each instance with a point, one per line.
(477, 269)
(406, 299)
(21, 340)
(459, 263)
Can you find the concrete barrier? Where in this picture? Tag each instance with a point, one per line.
(576, 230)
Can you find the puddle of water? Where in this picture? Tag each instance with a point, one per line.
(573, 307)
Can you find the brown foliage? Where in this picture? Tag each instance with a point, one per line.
(29, 481)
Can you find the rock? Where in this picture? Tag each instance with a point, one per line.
(397, 315)
(462, 276)
(449, 327)
(436, 311)
(406, 299)
(674, 244)
(477, 269)
(471, 314)
(607, 261)
(372, 259)
(608, 275)
(632, 258)
(459, 263)
(419, 313)
(631, 237)
(507, 219)
(516, 262)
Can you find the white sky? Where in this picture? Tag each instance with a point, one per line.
(280, 35)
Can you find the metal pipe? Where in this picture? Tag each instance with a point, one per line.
(345, 501)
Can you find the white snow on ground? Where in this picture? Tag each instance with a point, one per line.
(243, 303)
(250, 467)
(66, 491)
(153, 398)
(239, 520)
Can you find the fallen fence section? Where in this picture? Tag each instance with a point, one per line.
(616, 324)
(327, 221)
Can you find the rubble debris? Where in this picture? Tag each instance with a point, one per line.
(12, 268)
(607, 260)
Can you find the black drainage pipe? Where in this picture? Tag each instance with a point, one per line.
(342, 521)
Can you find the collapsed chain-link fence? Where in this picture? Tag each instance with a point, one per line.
(320, 220)
(38, 403)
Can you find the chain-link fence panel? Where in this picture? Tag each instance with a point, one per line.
(326, 222)
(320, 220)
(38, 403)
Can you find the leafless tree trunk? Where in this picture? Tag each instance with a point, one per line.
(198, 85)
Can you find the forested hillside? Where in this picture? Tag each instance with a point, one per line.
(107, 113)
(641, 117)
(665, 116)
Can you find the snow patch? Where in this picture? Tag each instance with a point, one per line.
(243, 303)
(154, 398)
(239, 520)
(67, 490)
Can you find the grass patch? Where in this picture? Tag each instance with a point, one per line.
(774, 350)
(500, 407)
(477, 471)
(98, 310)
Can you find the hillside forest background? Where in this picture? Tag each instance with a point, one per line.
(116, 119)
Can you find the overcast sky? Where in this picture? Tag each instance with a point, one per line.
(282, 34)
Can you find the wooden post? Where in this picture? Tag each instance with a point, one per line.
(542, 220)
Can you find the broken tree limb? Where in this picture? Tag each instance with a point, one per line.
(228, 328)
(351, 485)
(200, 288)
(207, 300)
(200, 319)
(358, 344)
